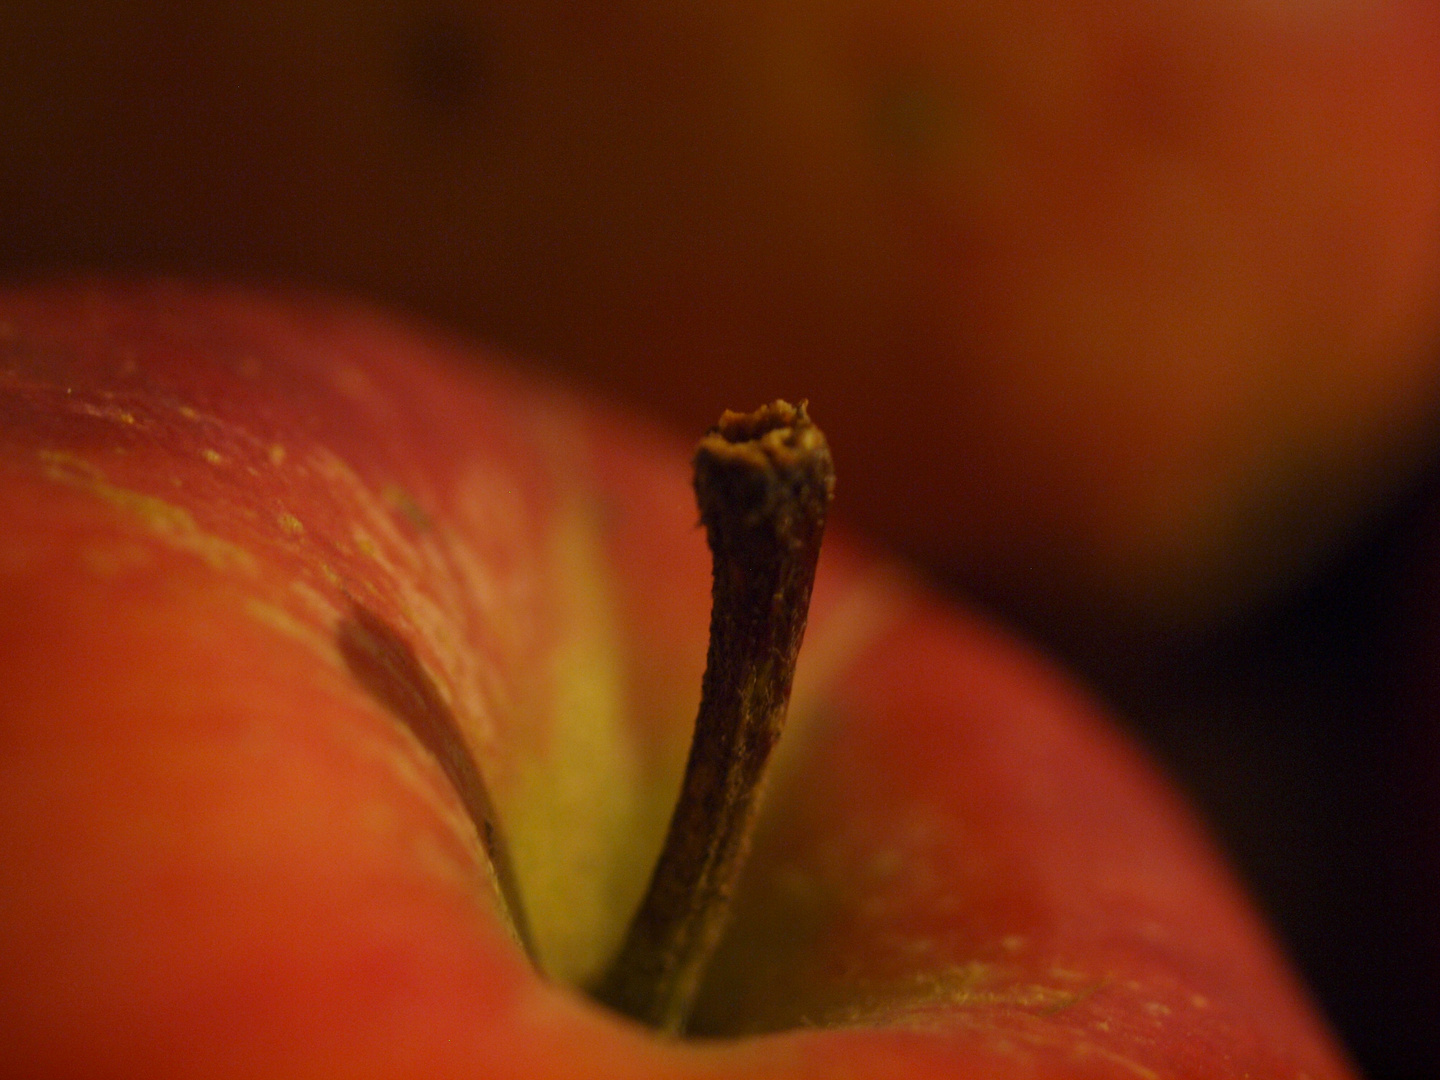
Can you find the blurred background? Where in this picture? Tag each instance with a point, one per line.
(1123, 316)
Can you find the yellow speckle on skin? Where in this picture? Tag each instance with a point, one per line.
(290, 525)
(365, 543)
(1134, 1067)
(70, 468)
(105, 412)
(277, 455)
(188, 412)
(169, 523)
(212, 456)
(277, 618)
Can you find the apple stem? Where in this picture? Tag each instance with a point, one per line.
(763, 482)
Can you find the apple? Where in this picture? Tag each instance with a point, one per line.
(347, 680)
(1161, 282)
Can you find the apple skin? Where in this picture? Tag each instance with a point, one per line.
(232, 846)
(1158, 280)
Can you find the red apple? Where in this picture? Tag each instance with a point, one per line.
(1159, 280)
(302, 613)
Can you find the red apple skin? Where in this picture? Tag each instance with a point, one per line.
(1158, 280)
(227, 855)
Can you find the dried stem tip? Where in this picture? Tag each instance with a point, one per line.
(763, 481)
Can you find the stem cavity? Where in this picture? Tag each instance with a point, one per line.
(763, 482)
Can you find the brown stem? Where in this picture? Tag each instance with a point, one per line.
(763, 482)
